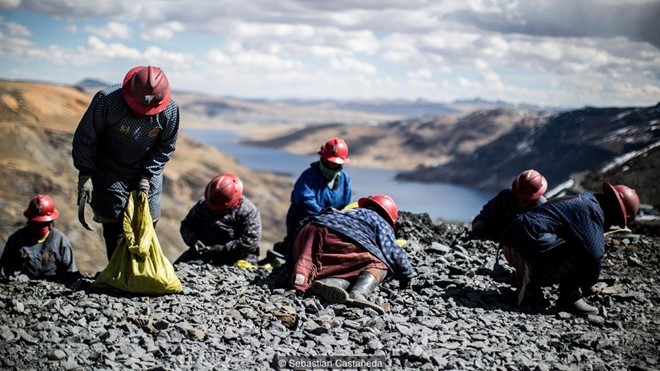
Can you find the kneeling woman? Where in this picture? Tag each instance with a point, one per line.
(356, 248)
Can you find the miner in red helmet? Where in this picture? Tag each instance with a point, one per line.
(323, 184)
(38, 250)
(122, 144)
(224, 226)
(343, 256)
(526, 191)
(562, 241)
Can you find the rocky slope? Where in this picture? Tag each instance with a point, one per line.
(457, 316)
(37, 122)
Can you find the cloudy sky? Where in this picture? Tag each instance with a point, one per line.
(547, 52)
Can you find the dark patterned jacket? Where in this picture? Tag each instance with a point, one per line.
(575, 222)
(116, 148)
(239, 230)
(36, 259)
(496, 215)
(371, 231)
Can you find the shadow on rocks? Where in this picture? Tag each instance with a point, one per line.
(278, 278)
(502, 298)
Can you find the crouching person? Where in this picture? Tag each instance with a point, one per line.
(337, 250)
(224, 226)
(526, 191)
(38, 250)
(562, 241)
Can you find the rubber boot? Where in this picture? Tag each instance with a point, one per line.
(332, 289)
(362, 288)
(571, 299)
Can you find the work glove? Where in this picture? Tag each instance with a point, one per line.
(144, 185)
(200, 248)
(85, 188)
(203, 249)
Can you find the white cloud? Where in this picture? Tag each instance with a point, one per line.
(72, 28)
(159, 57)
(352, 65)
(18, 30)
(571, 51)
(277, 31)
(492, 80)
(216, 56)
(239, 59)
(419, 74)
(77, 8)
(271, 62)
(635, 20)
(99, 48)
(163, 31)
(630, 90)
(112, 30)
(10, 4)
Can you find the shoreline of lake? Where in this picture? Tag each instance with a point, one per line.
(441, 201)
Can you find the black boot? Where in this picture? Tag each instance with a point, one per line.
(273, 258)
(571, 299)
(362, 288)
(332, 289)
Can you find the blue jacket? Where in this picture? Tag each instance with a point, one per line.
(117, 148)
(578, 222)
(311, 194)
(371, 231)
(51, 257)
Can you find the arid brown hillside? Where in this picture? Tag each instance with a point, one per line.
(408, 144)
(37, 122)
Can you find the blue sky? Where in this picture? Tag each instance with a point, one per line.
(546, 52)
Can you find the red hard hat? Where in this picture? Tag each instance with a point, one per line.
(528, 186)
(335, 150)
(384, 203)
(146, 90)
(223, 192)
(41, 209)
(626, 200)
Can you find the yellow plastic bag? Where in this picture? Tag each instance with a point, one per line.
(139, 265)
(352, 205)
(244, 264)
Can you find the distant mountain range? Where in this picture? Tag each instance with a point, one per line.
(242, 110)
(486, 149)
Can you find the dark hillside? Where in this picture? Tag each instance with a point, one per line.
(570, 142)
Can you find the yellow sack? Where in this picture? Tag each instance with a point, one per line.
(139, 265)
(244, 264)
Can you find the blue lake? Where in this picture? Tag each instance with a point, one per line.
(440, 201)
